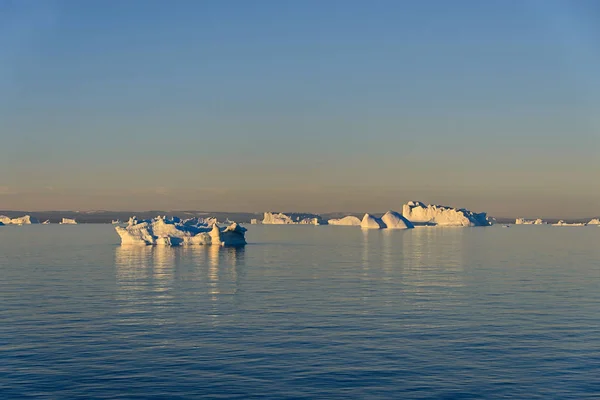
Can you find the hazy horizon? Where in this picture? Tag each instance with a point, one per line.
(300, 106)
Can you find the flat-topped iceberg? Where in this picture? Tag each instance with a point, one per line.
(595, 221)
(293, 219)
(420, 213)
(177, 232)
(346, 221)
(523, 221)
(394, 220)
(563, 223)
(68, 221)
(24, 220)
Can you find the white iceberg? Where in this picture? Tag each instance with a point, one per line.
(276, 219)
(563, 223)
(346, 221)
(523, 221)
(46, 222)
(595, 221)
(68, 221)
(294, 219)
(371, 222)
(394, 220)
(254, 221)
(419, 213)
(115, 222)
(24, 220)
(175, 232)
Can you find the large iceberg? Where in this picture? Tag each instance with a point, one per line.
(346, 221)
(177, 232)
(419, 213)
(294, 219)
(24, 220)
(394, 220)
(595, 221)
(523, 221)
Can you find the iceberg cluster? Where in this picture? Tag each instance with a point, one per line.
(419, 213)
(24, 220)
(177, 232)
(346, 221)
(284, 219)
(523, 221)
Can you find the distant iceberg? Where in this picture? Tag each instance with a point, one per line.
(115, 222)
(46, 222)
(595, 221)
(371, 222)
(175, 232)
(394, 220)
(563, 223)
(24, 220)
(294, 219)
(346, 221)
(523, 221)
(419, 213)
(68, 221)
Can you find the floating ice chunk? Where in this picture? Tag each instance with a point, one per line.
(417, 212)
(68, 221)
(523, 221)
(595, 221)
(371, 222)
(394, 220)
(563, 223)
(24, 220)
(346, 221)
(174, 232)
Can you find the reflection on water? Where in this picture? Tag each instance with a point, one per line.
(434, 258)
(156, 270)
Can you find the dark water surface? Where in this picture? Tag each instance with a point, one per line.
(302, 312)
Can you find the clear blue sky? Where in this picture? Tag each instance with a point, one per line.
(300, 105)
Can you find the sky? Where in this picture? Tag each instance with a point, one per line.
(308, 106)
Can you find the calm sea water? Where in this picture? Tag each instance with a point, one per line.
(302, 312)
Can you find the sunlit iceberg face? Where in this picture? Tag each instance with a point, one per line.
(175, 232)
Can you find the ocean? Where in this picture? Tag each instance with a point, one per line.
(302, 312)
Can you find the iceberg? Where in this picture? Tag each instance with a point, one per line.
(253, 221)
(175, 232)
(419, 213)
(24, 220)
(46, 222)
(595, 221)
(371, 222)
(394, 220)
(346, 221)
(523, 221)
(276, 219)
(68, 221)
(294, 219)
(115, 222)
(563, 223)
